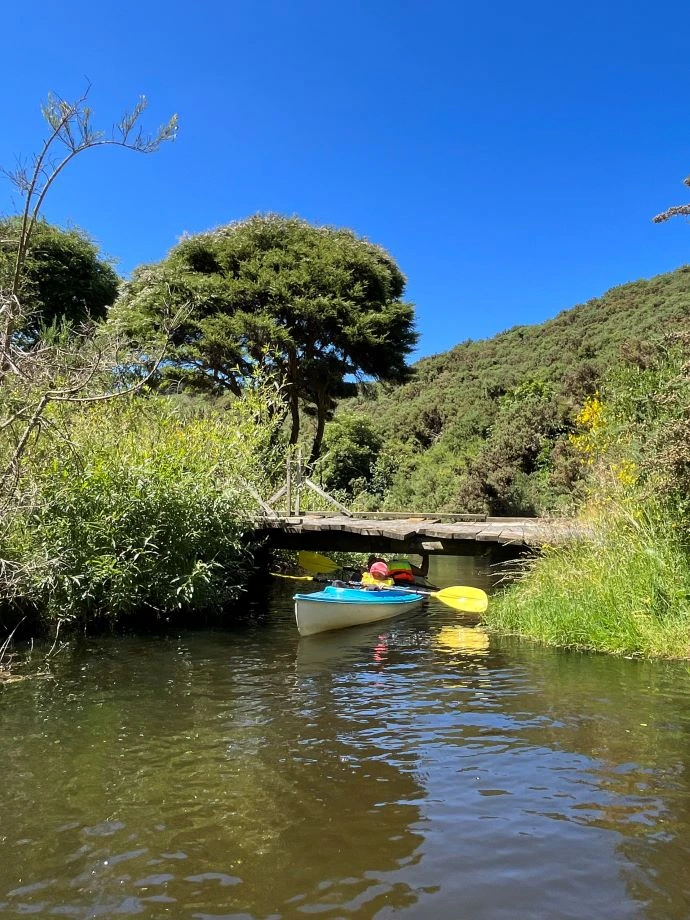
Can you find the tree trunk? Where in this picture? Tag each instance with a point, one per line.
(320, 427)
(293, 397)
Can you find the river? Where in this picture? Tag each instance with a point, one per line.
(416, 768)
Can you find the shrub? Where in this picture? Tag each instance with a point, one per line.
(141, 514)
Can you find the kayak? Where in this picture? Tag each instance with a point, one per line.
(337, 608)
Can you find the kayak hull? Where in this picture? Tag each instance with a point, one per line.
(338, 608)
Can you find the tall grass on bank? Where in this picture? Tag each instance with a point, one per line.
(626, 591)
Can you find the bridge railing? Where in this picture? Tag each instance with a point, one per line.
(288, 499)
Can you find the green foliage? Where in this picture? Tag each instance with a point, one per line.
(65, 280)
(627, 589)
(407, 474)
(470, 448)
(626, 592)
(141, 517)
(509, 474)
(351, 450)
(315, 303)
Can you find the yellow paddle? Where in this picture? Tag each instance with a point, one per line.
(301, 577)
(460, 597)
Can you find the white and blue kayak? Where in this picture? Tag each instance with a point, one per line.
(337, 608)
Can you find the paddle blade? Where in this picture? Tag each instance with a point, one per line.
(316, 563)
(463, 598)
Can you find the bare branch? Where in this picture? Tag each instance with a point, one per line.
(35, 374)
(677, 210)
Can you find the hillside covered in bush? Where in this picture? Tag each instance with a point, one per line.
(486, 426)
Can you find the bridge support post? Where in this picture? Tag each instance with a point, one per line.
(288, 484)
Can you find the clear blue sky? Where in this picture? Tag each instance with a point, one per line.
(509, 155)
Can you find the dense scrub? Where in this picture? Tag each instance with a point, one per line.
(132, 511)
(627, 589)
(486, 425)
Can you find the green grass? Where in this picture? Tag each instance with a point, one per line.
(626, 592)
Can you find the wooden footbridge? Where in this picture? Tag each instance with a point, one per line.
(454, 535)
(407, 532)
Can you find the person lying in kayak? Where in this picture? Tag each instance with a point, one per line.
(401, 570)
(377, 576)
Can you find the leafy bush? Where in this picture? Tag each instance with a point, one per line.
(351, 449)
(140, 515)
(66, 280)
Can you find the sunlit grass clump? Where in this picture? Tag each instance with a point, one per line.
(626, 592)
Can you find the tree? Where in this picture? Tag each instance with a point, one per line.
(64, 279)
(320, 305)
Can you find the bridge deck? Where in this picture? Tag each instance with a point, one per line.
(446, 534)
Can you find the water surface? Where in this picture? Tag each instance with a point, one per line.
(416, 768)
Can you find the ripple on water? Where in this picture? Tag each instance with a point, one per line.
(421, 768)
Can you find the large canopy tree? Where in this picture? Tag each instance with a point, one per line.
(319, 305)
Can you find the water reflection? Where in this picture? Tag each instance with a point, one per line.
(464, 640)
(193, 774)
(347, 648)
(629, 721)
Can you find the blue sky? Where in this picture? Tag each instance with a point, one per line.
(510, 156)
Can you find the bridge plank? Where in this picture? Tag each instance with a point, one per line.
(451, 531)
(488, 534)
(408, 533)
(325, 524)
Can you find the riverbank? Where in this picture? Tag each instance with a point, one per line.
(625, 592)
